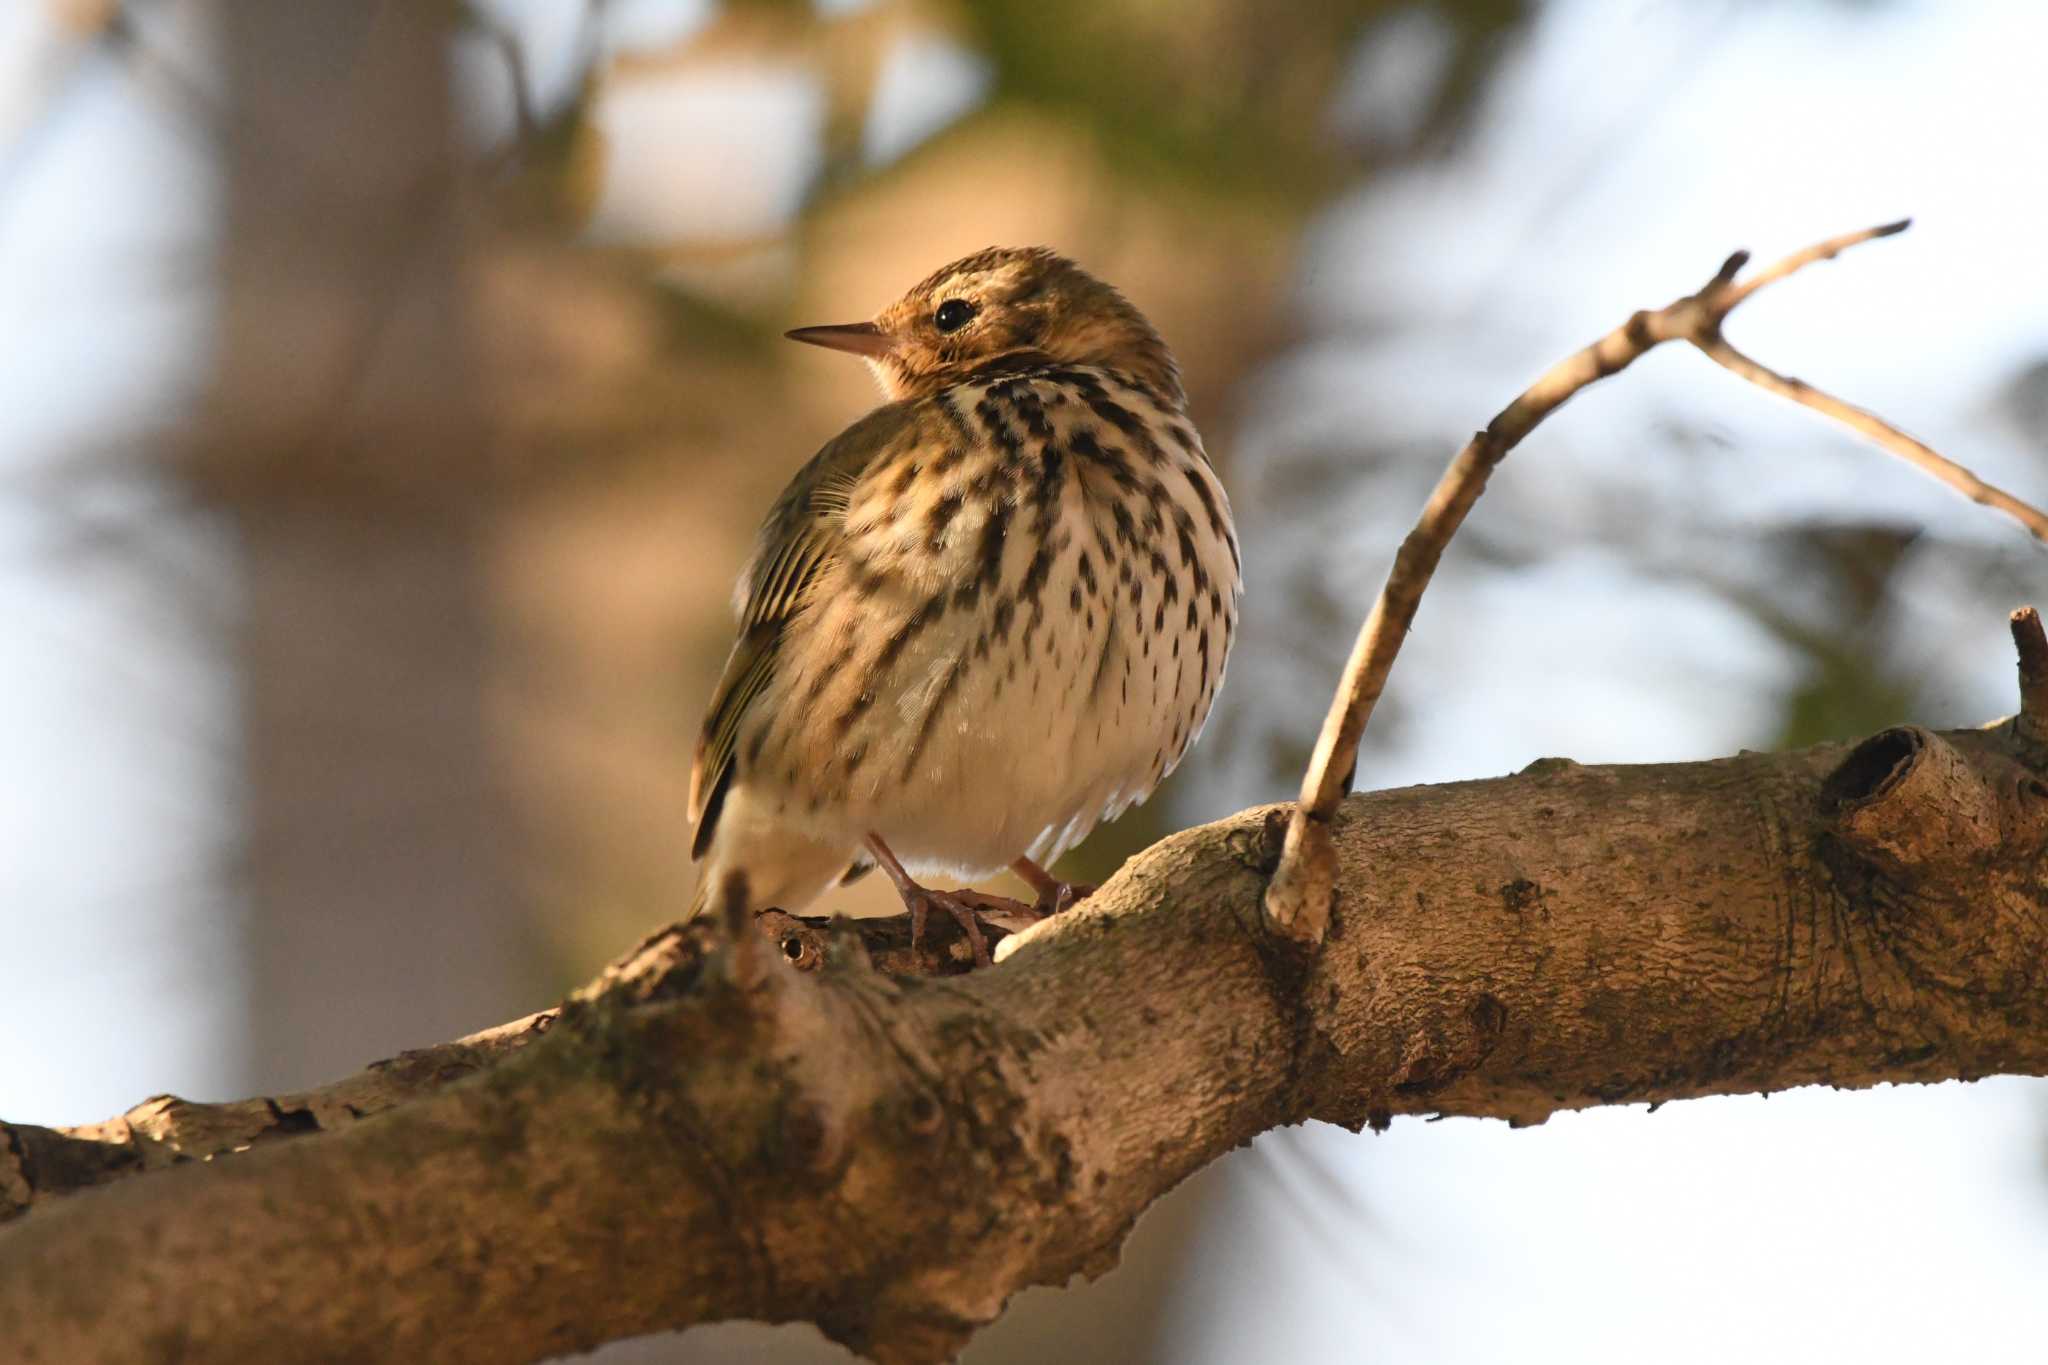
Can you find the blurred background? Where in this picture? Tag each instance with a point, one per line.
(390, 392)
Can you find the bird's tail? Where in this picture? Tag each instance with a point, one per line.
(725, 891)
(700, 899)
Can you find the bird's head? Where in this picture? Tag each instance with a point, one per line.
(1005, 301)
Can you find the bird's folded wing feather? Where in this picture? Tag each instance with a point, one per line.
(802, 535)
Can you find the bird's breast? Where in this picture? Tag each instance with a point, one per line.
(1027, 624)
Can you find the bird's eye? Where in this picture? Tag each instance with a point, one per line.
(953, 315)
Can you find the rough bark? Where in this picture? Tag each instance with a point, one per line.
(704, 1134)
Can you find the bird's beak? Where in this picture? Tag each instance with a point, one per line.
(860, 338)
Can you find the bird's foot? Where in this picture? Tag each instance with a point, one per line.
(922, 900)
(1052, 894)
(1061, 896)
(1003, 912)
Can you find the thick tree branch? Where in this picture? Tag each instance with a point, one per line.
(892, 1158)
(1298, 902)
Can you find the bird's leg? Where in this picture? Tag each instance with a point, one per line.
(919, 900)
(1053, 894)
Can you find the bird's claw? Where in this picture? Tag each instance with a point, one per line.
(1061, 896)
(1001, 911)
(964, 912)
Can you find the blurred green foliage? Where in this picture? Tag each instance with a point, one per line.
(1214, 95)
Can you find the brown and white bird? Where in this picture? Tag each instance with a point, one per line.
(988, 615)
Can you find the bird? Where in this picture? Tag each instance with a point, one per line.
(987, 616)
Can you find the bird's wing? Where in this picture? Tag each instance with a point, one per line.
(802, 535)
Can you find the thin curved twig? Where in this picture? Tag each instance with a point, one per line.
(1880, 433)
(1297, 902)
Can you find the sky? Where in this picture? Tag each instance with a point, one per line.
(1629, 148)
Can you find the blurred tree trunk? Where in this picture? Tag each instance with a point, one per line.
(345, 445)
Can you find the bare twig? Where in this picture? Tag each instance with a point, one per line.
(1820, 251)
(1297, 903)
(1879, 432)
